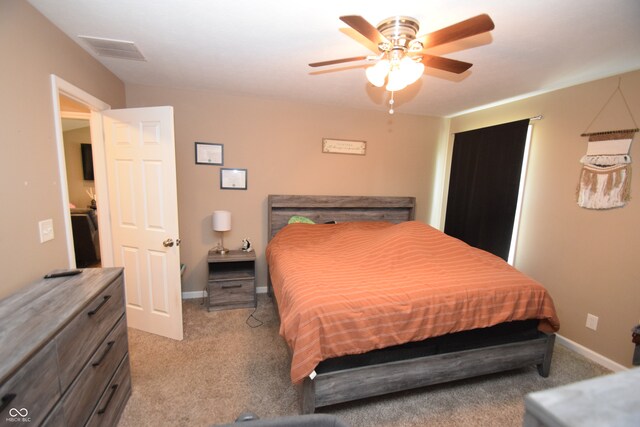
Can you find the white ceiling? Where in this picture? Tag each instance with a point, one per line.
(262, 47)
(73, 124)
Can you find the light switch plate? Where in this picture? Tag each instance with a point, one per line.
(592, 321)
(46, 230)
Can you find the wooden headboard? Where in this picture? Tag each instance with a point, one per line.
(323, 209)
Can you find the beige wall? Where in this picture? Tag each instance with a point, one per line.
(31, 49)
(280, 145)
(589, 260)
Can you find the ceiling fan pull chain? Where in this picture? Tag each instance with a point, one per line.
(391, 102)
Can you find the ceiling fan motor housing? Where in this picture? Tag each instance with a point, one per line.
(400, 31)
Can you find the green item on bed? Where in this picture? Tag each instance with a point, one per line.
(300, 219)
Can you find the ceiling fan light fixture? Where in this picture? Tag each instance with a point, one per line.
(403, 72)
(395, 81)
(410, 69)
(378, 72)
(402, 57)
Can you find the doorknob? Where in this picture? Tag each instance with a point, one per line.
(167, 243)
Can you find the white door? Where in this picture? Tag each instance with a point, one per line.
(140, 158)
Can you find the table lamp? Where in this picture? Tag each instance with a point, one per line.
(221, 222)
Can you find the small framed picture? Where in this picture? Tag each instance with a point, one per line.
(209, 154)
(233, 179)
(343, 146)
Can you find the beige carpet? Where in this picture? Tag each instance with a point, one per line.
(224, 367)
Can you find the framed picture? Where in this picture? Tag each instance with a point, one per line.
(209, 154)
(233, 179)
(343, 146)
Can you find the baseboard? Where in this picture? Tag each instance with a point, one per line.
(193, 294)
(202, 293)
(590, 354)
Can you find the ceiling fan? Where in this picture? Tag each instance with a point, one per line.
(402, 55)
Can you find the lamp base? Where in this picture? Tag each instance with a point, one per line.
(220, 249)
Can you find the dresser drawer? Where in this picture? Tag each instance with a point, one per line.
(92, 381)
(55, 418)
(231, 292)
(33, 390)
(112, 402)
(86, 331)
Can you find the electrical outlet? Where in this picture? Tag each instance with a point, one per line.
(592, 321)
(46, 230)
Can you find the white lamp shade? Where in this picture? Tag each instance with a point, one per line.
(377, 73)
(395, 81)
(221, 220)
(411, 70)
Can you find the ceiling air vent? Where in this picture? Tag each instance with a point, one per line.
(114, 48)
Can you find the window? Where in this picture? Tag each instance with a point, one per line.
(484, 186)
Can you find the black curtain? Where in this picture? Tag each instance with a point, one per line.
(483, 185)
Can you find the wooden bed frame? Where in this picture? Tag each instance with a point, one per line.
(359, 382)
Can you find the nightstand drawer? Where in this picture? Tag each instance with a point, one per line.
(231, 292)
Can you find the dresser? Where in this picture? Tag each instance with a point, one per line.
(232, 280)
(64, 351)
(609, 400)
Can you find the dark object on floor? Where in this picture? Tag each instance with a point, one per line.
(248, 419)
(86, 239)
(636, 341)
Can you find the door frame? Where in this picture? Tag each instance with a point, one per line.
(61, 87)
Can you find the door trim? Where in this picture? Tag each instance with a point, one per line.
(61, 87)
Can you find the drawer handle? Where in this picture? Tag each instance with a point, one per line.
(6, 401)
(95, 310)
(231, 286)
(109, 346)
(106, 405)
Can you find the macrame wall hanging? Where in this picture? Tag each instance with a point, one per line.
(605, 177)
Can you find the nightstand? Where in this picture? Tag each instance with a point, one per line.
(232, 280)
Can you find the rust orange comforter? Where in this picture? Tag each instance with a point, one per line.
(353, 287)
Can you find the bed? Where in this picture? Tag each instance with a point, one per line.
(358, 318)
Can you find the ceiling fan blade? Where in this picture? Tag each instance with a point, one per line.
(470, 27)
(445, 64)
(337, 61)
(363, 26)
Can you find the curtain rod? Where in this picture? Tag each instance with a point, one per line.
(538, 117)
